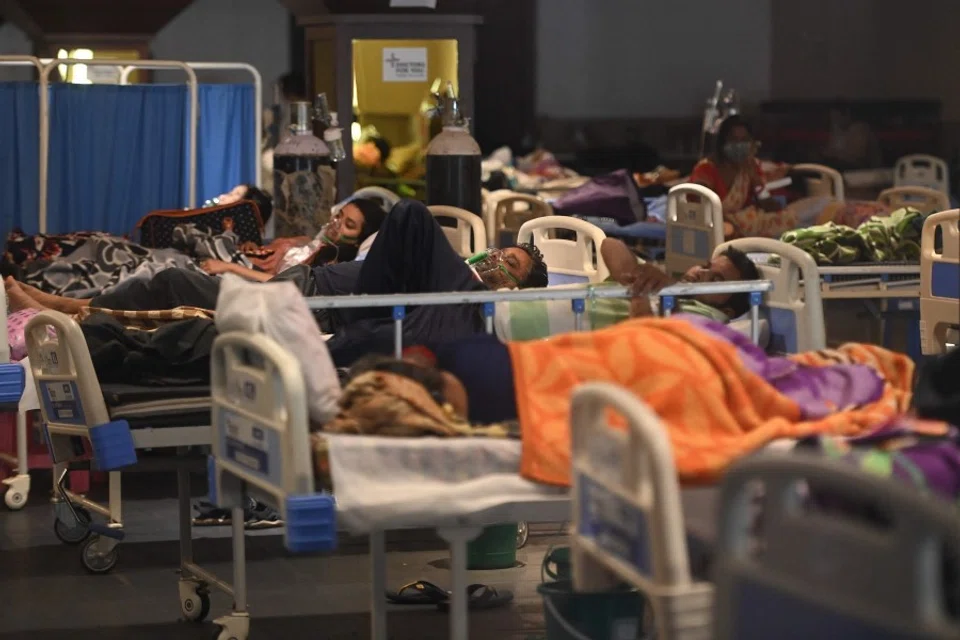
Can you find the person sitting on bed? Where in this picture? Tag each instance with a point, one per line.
(735, 175)
(410, 254)
(338, 241)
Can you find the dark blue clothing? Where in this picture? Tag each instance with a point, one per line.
(482, 364)
(411, 254)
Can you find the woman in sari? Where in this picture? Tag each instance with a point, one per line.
(735, 175)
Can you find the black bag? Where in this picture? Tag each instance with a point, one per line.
(156, 228)
(301, 275)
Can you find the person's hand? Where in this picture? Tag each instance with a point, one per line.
(216, 267)
(249, 247)
(646, 280)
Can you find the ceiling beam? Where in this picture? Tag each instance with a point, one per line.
(11, 11)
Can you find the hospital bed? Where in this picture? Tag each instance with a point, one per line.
(373, 485)
(576, 261)
(468, 236)
(694, 227)
(12, 384)
(802, 573)
(940, 283)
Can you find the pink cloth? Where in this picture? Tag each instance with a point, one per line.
(16, 332)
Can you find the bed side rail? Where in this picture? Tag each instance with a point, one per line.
(838, 553)
(261, 438)
(628, 518)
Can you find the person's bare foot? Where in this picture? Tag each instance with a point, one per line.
(17, 298)
(49, 300)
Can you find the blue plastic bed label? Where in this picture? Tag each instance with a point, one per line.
(61, 399)
(613, 524)
(251, 445)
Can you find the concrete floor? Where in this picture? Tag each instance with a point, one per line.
(46, 593)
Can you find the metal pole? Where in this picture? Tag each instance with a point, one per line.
(28, 61)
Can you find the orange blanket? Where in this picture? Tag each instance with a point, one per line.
(714, 409)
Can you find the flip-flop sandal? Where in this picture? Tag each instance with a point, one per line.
(481, 596)
(210, 516)
(419, 592)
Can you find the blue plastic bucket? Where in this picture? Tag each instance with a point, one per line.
(616, 614)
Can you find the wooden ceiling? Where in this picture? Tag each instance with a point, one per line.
(302, 8)
(42, 19)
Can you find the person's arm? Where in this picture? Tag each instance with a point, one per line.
(216, 267)
(620, 260)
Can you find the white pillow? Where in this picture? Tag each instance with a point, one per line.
(277, 310)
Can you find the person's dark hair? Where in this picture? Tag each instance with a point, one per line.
(382, 146)
(373, 216)
(293, 87)
(723, 133)
(430, 379)
(739, 303)
(262, 199)
(538, 271)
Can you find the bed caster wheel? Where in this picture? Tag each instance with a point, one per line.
(233, 627)
(14, 499)
(523, 534)
(96, 559)
(194, 601)
(76, 532)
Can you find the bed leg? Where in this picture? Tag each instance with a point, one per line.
(239, 561)
(115, 499)
(458, 539)
(186, 525)
(378, 586)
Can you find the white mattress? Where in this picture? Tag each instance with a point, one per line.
(393, 483)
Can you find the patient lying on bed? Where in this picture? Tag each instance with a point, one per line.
(718, 395)
(410, 255)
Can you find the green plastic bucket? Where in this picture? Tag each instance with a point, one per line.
(616, 614)
(495, 548)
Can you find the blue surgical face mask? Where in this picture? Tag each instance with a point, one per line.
(738, 151)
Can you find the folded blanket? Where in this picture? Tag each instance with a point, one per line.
(880, 239)
(717, 400)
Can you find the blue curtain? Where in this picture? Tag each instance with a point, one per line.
(116, 153)
(19, 156)
(226, 141)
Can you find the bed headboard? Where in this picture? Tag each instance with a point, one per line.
(923, 199)
(795, 316)
(921, 170)
(939, 281)
(575, 261)
(469, 236)
(694, 227)
(822, 180)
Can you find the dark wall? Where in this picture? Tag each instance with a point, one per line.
(505, 95)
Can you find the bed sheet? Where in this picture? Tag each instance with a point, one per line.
(391, 483)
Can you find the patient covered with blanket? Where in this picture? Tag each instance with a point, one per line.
(718, 395)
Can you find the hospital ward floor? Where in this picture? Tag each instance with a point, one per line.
(46, 594)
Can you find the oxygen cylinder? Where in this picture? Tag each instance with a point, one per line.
(304, 178)
(453, 159)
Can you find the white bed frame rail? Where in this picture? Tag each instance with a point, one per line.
(627, 515)
(940, 283)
